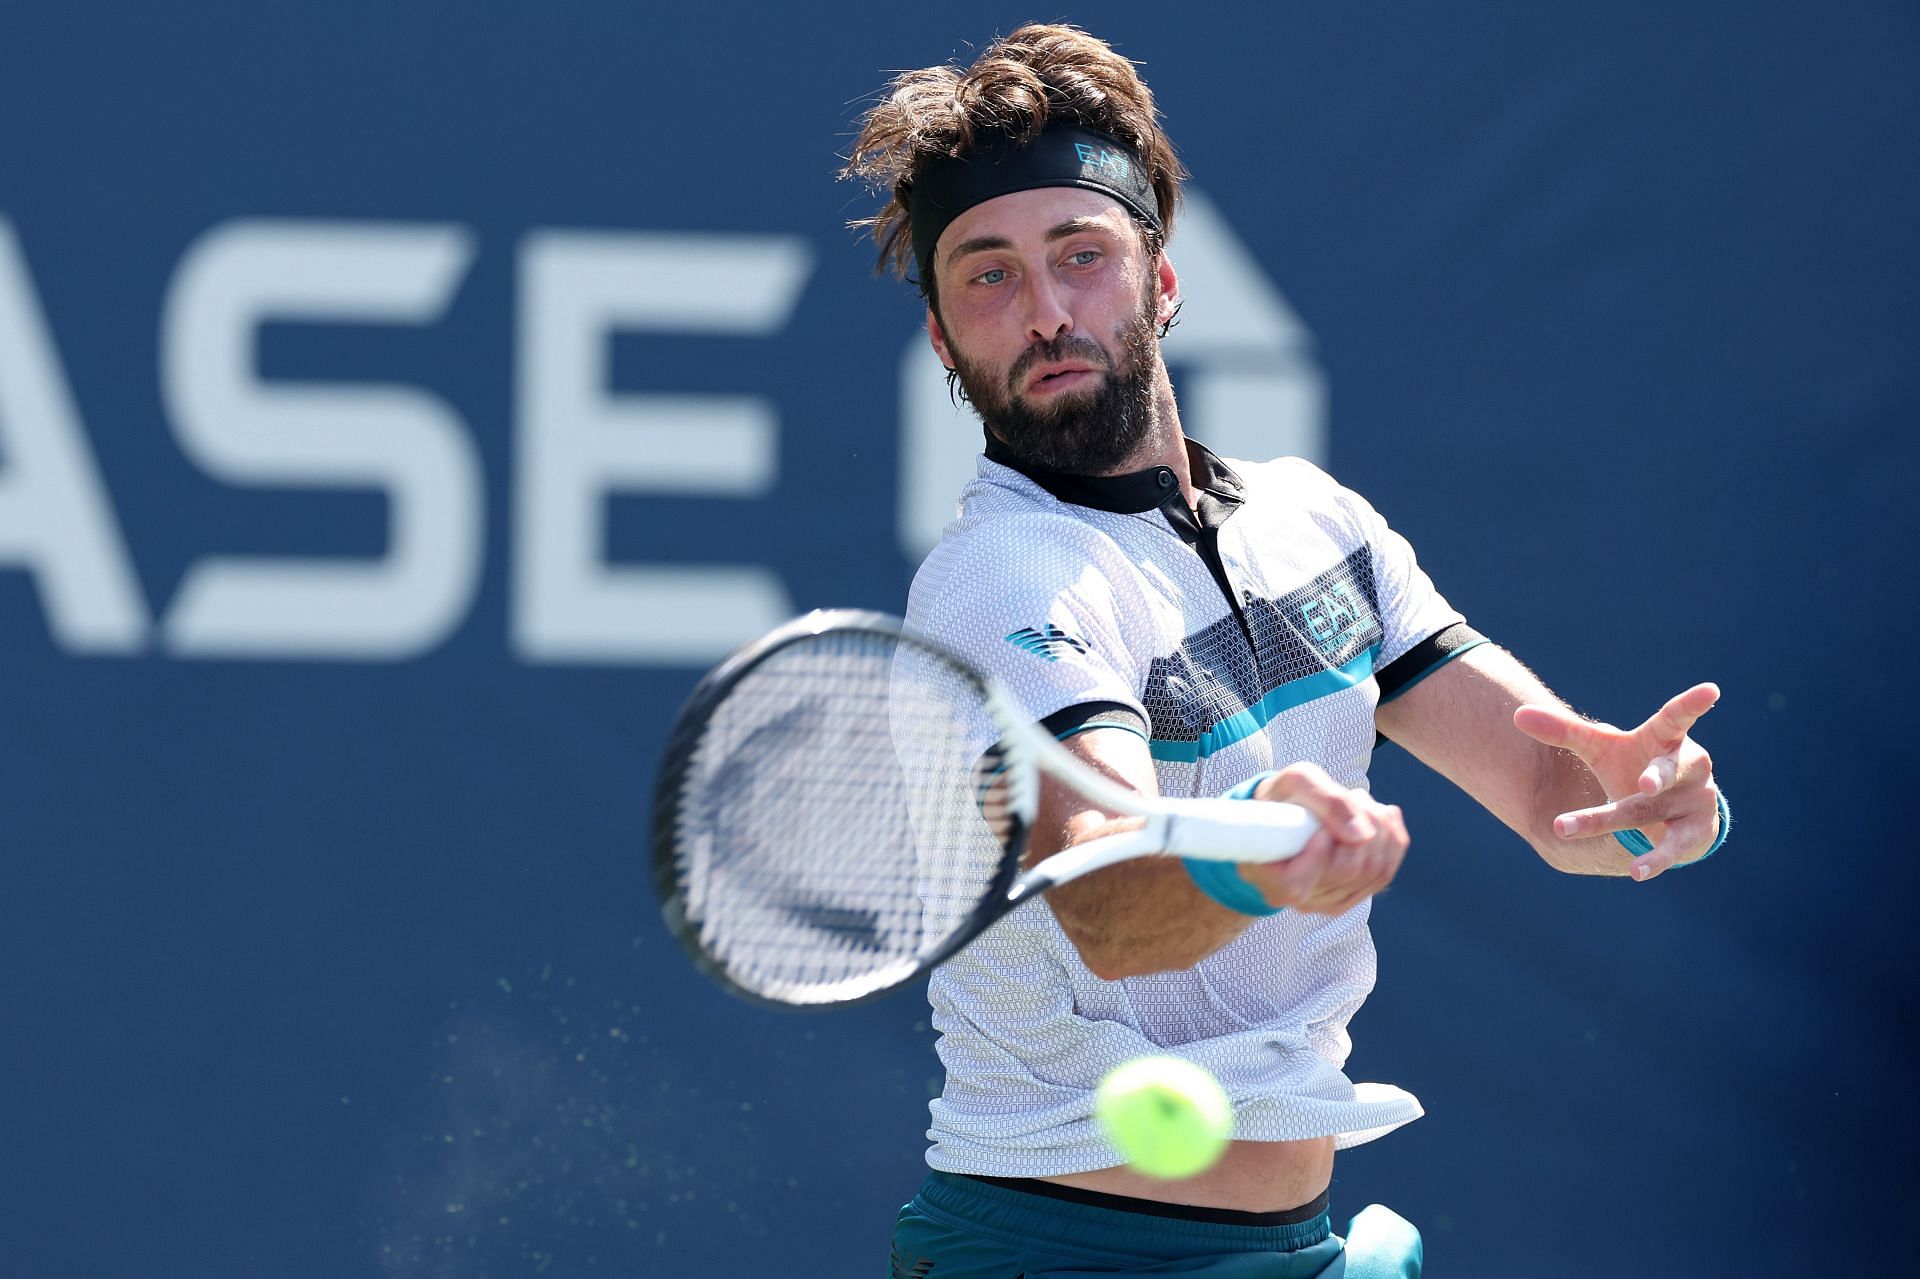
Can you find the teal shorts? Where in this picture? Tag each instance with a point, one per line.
(986, 1228)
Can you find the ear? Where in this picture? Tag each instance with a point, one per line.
(938, 337)
(1169, 290)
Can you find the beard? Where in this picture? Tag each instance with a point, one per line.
(1088, 432)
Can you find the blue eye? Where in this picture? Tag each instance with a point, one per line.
(990, 277)
(1085, 257)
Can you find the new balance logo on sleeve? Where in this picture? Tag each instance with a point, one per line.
(1049, 641)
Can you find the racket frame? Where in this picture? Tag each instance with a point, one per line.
(1210, 829)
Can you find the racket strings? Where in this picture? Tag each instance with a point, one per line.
(834, 826)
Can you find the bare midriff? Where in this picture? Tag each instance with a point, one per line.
(1251, 1176)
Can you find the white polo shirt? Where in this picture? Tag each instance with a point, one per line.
(1260, 630)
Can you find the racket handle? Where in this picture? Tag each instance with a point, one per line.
(1236, 830)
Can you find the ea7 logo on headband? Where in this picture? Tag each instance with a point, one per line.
(1105, 159)
(1049, 641)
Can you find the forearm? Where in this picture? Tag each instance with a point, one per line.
(1555, 782)
(1141, 916)
(1148, 915)
(1567, 784)
(1459, 722)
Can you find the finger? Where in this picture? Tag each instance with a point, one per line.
(1562, 729)
(1286, 883)
(1603, 819)
(1334, 906)
(1689, 833)
(1341, 903)
(1649, 866)
(1670, 724)
(1297, 880)
(1694, 806)
(1659, 774)
(1328, 876)
(1682, 841)
(1356, 873)
(1336, 892)
(1340, 810)
(1387, 853)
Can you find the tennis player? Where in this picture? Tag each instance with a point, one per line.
(1192, 626)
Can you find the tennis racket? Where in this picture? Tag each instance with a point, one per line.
(843, 805)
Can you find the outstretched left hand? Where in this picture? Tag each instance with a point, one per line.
(1657, 779)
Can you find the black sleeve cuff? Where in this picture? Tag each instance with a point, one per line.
(1426, 657)
(1079, 718)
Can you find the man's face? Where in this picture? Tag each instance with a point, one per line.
(1048, 304)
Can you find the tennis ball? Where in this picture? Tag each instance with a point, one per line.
(1166, 1116)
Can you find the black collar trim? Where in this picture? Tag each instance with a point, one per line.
(1134, 493)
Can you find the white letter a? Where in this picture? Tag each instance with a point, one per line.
(55, 519)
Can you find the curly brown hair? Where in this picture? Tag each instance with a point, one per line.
(1022, 80)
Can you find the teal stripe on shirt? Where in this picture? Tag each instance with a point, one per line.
(1246, 723)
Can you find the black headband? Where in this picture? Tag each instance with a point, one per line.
(1064, 155)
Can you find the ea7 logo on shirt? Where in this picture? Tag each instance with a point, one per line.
(1049, 641)
(1331, 615)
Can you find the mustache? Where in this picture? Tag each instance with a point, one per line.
(1067, 345)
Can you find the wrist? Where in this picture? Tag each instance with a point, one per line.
(1637, 843)
(1222, 881)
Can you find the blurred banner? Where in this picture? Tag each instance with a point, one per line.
(400, 407)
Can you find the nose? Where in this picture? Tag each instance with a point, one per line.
(1047, 313)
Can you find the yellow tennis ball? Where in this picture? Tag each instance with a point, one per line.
(1165, 1115)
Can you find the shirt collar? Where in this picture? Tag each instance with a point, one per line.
(1136, 492)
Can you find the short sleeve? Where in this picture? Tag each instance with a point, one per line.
(1421, 631)
(1036, 604)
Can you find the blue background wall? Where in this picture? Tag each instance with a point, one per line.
(328, 966)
